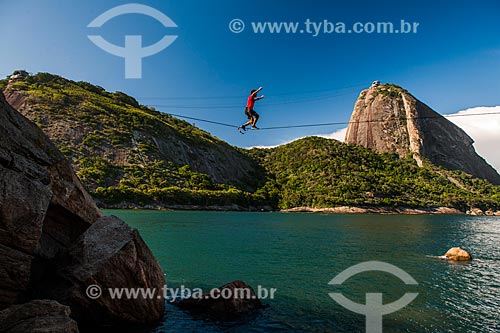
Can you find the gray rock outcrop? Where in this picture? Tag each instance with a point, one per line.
(109, 254)
(54, 240)
(43, 207)
(388, 119)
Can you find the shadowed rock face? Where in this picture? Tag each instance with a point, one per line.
(37, 316)
(388, 119)
(43, 206)
(54, 241)
(109, 254)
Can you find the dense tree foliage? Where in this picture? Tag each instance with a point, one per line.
(318, 172)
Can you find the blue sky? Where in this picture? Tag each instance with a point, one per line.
(452, 63)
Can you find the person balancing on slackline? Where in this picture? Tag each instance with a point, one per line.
(252, 116)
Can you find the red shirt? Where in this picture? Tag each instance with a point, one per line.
(251, 102)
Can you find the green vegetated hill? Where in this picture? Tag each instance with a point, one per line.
(128, 154)
(318, 172)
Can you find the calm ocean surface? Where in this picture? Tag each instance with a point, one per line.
(299, 253)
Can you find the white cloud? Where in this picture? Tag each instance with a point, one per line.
(338, 135)
(483, 129)
(274, 146)
(264, 147)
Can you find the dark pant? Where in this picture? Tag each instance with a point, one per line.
(250, 113)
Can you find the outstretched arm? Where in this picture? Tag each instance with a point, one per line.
(257, 91)
(260, 97)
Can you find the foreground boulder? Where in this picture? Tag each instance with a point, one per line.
(457, 254)
(243, 300)
(110, 254)
(43, 206)
(37, 316)
(50, 242)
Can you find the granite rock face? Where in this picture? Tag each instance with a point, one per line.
(388, 119)
(110, 254)
(43, 206)
(53, 238)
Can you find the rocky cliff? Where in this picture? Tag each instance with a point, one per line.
(111, 140)
(388, 119)
(54, 241)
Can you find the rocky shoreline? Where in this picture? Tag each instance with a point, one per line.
(332, 210)
(378, 210)
(397, 210)
(227, 208)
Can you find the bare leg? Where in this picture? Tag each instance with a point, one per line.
(255, 119)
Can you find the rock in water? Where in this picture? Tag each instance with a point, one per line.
(457, 254)
(243, 300)
(53, 238)
(387, 119)
(475, 212)
(37, 316)
(110, 254)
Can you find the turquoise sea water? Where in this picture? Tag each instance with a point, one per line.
(299, 253)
